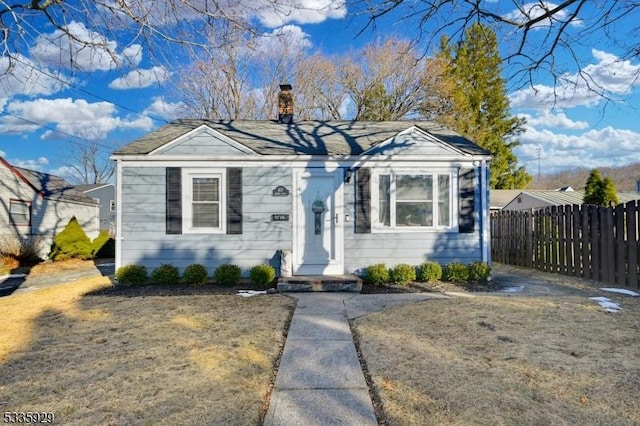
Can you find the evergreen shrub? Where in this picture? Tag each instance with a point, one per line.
(429, 272)
(132, 275)
(165, 274)
(402, 274)
(479, 271)
(262, 275)
(194, 274)
(376, 274)
(71, 242)
(456, 272)
(228, 274)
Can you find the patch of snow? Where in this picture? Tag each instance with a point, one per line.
(513, 289)
(620, 291)
(249, 293)
(606, 304)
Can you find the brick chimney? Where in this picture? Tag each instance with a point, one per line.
(285, 104)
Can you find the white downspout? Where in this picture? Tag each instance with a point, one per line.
(118, 258)
(485, 238)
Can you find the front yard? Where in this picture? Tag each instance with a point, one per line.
(110, 358)
(501, 360)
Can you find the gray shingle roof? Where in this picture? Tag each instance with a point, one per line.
(306, 137)
(562, 198)
(54, 187)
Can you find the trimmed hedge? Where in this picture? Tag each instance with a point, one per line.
(228, 274)
(262, 275)
(376, 274)
(165, 274)
(132, 275)
(402, 274)
(195, 274)
(429, 272)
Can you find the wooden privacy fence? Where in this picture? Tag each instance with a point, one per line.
(585, 241)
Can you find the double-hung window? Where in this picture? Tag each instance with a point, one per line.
(204, 192)
(20, 212)
(413, 200)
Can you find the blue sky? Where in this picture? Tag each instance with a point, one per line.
(46, 110)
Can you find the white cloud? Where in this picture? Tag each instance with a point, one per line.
(530, 11)
(92, 121)
(141, 78)
(92, 52)
(22, 77)
(33, 164)
(289, 39)
(160, 108)
(277, 14)
(555, 120)
(595, 148)
(610, 75)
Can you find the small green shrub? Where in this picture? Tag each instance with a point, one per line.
(103, 246)
(228, 274)
(72, 242)
(262, 275)
(456, 272)
(479, 271)
(429, 272)
(402, 274)
(165, 274)
(376, 274)
(194, 274)
(132, 275)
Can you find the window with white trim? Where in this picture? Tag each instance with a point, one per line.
(203, 195)
(413, 200)
(20, 212)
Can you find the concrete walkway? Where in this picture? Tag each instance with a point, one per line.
(320, 379)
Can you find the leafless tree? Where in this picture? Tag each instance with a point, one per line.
(537, 37)
(90, 164)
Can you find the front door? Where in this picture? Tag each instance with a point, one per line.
(318, 223)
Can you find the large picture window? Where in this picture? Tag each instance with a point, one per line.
(203, 192)
(413, 200)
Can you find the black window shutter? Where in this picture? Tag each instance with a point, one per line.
(466, 207)
(234, 200)
(363, 201)
(174, 200)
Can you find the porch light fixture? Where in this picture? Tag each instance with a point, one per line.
(348, 174)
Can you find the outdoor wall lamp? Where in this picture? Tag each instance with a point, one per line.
(348, 174)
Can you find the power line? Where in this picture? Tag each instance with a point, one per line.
(45, 126)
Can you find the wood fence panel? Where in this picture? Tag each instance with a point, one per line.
(620, 253)
(631, 216)
(577, 238)
(586, 241)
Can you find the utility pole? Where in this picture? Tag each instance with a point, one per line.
(539, 153)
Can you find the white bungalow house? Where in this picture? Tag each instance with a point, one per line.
(39, 204)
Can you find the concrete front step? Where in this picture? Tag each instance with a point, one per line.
(320, 283)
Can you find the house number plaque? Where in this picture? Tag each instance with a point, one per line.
(279, 218)
(280, 191)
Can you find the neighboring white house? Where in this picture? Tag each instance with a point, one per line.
(105, 195)
(33, 203)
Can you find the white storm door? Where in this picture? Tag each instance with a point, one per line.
(318, 223)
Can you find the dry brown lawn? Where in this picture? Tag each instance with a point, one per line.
(504, 361)
(107, 358)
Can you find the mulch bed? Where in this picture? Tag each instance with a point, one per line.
(435, 287)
